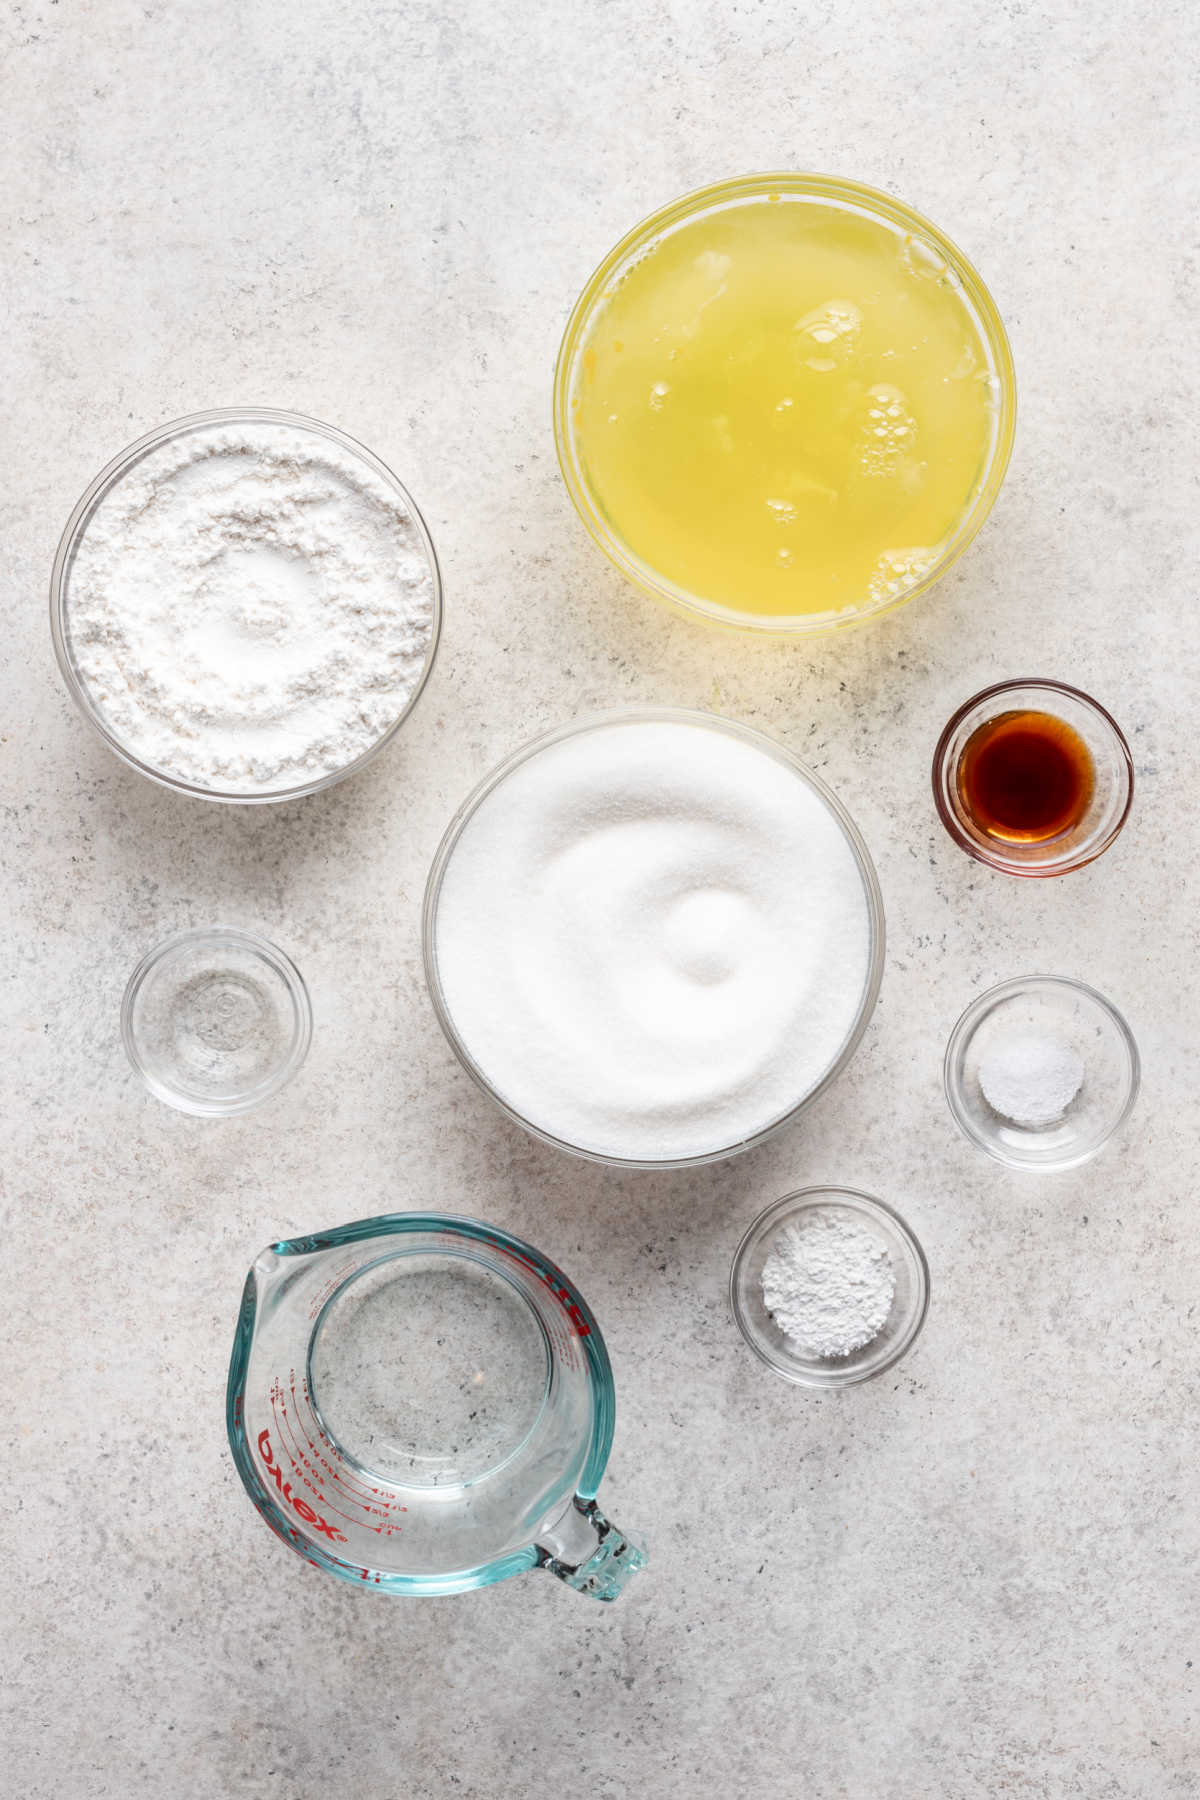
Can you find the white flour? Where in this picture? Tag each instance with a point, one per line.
(250, 607)
(828, 1283)
(653, 939)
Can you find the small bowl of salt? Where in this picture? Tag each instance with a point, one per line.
(829, 1287)
(1040, 1072)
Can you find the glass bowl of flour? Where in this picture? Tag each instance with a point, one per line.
(653, 937)
(829, 1287)
(246, 605)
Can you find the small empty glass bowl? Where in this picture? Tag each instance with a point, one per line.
(216, 1021)
(909, 1302)
(1066, 1013)
(1112, 790)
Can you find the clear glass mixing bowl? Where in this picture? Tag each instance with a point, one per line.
(603, 721)
(105, 481)
(749, 190)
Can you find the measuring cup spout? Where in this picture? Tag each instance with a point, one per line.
(588, 1552)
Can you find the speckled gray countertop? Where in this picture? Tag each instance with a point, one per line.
(979, 1576)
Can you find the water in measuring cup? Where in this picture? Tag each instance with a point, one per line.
(428, 1371)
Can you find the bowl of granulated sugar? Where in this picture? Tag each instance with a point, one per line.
(829, 1287)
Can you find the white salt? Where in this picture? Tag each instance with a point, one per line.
(1031, 1079)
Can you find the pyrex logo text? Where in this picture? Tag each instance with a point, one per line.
(297, 1505)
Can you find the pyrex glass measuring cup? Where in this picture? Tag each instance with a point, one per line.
(423, 1404)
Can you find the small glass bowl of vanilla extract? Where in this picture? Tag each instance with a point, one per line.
(1033, 778)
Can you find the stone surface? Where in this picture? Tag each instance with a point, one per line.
(979, 1576)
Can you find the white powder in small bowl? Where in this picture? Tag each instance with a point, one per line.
(1031, 1079)
(828, 1283)
(250, 606)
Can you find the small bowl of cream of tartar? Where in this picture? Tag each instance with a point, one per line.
(246, 604)
(829, 1287)
(653, 937)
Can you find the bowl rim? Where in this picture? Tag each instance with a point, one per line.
(942, 777)
(805, 1199)
(181, 1099)
(107, 478)
(649, 714)
(759, 186)
(964, 1029)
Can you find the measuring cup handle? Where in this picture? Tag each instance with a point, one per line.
(588, 1552)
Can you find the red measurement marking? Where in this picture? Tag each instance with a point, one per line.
(355, 1489)
(290, 1444)
(331, 1285)
(299, 1462)
(275, 1472)
(559, 1289)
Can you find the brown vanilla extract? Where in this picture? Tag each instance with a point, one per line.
(1025, 777)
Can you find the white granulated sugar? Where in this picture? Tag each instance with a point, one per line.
(1030, 1079)
(653, 939)
(250, 607)
(828, 1283)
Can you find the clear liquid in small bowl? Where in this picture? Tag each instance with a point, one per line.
(215, 1020)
